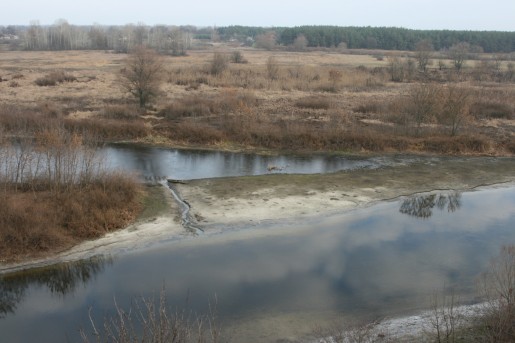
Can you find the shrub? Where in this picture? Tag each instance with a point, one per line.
(219, 64)
(272, 69)
(54, 78)
(511, 146)
(489, 109)
(198, 106)
(121, 112)
(370, 107)
(497, 321)
(456, 145)
(237, 57)
(152, 320)
(109, 130)
(314, 102)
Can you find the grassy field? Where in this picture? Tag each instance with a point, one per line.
(277, 100)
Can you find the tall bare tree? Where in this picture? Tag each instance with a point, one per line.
(458, 53)
(423, 51)
(142, 74)
(300, 43)
(455, 107)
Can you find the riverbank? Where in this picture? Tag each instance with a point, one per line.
(243, 202)
(223, 203)
(159, 220)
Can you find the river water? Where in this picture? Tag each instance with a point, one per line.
(275, 282)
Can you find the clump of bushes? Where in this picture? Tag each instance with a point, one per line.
(489, 109)
(314, 102)
(54, 78)
(48, 207)
(120, 112)
(219, 64)
(237, 57)
(196, 105)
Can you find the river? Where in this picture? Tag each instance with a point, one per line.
(277, 281)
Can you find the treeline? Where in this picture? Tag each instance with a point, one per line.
(176, 40)
(61, 35)
(387, 38)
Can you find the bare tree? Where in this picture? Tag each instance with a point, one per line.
(142, 74)
(423, 52)
(456, 107)
(219, 64)
(300, 43)
(458, 53)
(266, 41)
(423, 104)
(272, 69)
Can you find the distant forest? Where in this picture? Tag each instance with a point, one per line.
(177, 39)
(385, 38)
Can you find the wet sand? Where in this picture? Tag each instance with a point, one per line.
(223, 203)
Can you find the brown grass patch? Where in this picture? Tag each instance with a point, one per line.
(456, 145)
(36, 223)
(314, 102)
(496, 110)
(55, 78)
(109, 130)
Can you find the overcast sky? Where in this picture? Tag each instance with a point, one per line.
(414, 14)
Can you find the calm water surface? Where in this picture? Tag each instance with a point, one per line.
(198, 164)
(277, 281)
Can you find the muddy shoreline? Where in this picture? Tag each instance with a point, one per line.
(222, 204)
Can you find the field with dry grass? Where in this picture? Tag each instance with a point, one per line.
(273, 100)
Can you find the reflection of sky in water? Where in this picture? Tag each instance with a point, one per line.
(375, 261)
(187, 164)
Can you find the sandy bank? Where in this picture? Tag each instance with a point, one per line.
(247, 201)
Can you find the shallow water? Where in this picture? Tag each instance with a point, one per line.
(151, 162)
(277, 282)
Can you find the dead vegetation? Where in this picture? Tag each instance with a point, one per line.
(278, 100)
(152, 320)
(54, 191)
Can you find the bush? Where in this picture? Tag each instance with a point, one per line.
(314, 102)
(120, 112)
(68, 198)
(237, 57)
(54, 78)
(152, 320)
(456, 145)
(197, 106)
(109, 130)
(219, 64)
(497, 110)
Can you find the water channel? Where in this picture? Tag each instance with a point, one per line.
(274, 282)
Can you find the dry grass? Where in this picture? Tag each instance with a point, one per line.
(153, 320)
(322, 98)
(36, 223)
(55, 78)
(54, 192)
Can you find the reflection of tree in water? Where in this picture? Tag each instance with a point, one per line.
(61, 279)
(422, 206)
